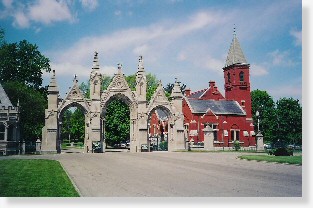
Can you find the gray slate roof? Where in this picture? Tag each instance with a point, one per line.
(235, 54)
(4, 99)
(218, 107)
(162, 114)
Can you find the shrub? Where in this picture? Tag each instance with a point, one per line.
(237, 145)
(282, 151)
(163, 146)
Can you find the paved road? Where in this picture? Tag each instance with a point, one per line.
(179, 174)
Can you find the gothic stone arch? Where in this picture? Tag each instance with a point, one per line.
(95, 107)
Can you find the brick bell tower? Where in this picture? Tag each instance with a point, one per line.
(237, 76)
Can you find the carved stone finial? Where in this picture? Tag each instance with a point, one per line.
(140, 64)
(119, 67)
(95, 62)
(75, 78)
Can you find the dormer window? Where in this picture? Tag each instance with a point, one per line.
(242, 76)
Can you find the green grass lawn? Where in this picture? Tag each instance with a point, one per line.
(34, 178)
(271, 158)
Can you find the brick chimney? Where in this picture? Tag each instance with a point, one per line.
(187, 92)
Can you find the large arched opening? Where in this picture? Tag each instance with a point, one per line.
(72, 131)
(116, 122)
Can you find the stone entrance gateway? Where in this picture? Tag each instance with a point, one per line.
(95, 110)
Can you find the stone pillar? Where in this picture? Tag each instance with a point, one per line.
(6, 127)
(259, 142)
(177, 103)
(50, 131)
(23, 148)
(208, 138)
(38, 146)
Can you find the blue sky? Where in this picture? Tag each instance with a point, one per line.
(177, 38)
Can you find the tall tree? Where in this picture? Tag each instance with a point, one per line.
(265, 105)
(22, 62)
(32, 109)
(117, 122)
(289, 113)
(21, 66)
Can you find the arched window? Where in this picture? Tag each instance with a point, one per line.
(228, 77)
(242, 76)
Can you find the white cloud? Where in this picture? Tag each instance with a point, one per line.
(44, 12)
(258, 70)
(7, 3)
(181, 56)
(142, 49)
(21, 20)
(136, 39)
(89, 4)
(298, 37)
(213, 64)
(83, 72)
(290, 90)
(47, 11)
(118, 13)
(281, 58)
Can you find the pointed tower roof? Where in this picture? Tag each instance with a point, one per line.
(235, 54)
(4, 99)
(53, 86)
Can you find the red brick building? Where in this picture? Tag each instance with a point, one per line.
(230, 117)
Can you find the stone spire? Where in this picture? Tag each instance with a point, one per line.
(53, 86)
(140, 65)
(95, 66)
(235, 54)
(176, 91)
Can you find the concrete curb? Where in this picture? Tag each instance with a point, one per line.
(73, 183)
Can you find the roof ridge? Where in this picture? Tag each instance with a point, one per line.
(198, 91)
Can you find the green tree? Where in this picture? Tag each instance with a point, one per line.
(117, 122)
(22, 62)
(169, 87)
(152, 85)
(1, 37)
(264, 104)
(32, 109)
(289, 113)
(73, 125)
(106, 80)
(66, 125)
(117, 112)
(85, 88)
(78, 125)
(21, 67)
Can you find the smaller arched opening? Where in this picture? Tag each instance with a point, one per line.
(158, 128)
(72, 130)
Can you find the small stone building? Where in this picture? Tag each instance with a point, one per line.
(9, 125)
